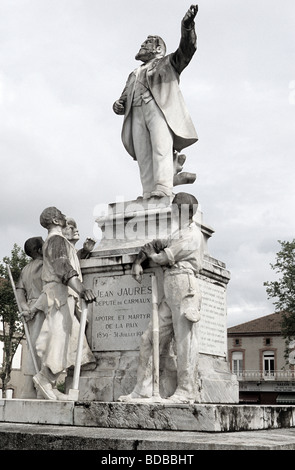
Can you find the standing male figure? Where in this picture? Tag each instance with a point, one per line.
(29, 289)
(181, 257)
(156, 120)
(63, 287)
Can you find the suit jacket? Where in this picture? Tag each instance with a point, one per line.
(163, 80)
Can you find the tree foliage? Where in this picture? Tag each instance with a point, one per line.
(11, 327)
(283, 289)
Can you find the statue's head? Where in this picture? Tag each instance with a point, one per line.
(153, 47)
(70, 231)
(33, 247)
(52, 216)
(185, 204)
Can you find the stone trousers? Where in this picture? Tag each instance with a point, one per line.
(172, 321)
(153, 145)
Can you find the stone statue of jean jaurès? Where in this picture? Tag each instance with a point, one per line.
(156, 120)
(181, 257)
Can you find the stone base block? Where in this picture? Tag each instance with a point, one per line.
(174, 417)
(218, 384)
(150, 416)
(36, 411)
(116, 373)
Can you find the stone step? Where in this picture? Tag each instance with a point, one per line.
(141, 444)
(149, 416)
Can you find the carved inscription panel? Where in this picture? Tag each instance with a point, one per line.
(121, 313)
(124, 308)
(212, 330)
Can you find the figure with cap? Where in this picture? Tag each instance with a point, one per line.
(181, 258)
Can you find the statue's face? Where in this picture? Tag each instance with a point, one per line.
(71, 232)
(148, 50)
(59, 219)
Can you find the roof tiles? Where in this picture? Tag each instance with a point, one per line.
(267, 324)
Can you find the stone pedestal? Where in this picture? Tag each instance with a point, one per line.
(149, 416)
(123, 308)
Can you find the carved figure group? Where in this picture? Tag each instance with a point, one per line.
(50, 289)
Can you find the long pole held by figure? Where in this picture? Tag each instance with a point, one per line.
(27, 333)
(156, 351)
(74, 391)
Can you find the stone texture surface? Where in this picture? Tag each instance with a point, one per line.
(36, 411)
(219, 385)
(44, 437)
(165, 416)
(115, 375)
(149, 416)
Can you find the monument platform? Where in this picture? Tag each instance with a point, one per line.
(123, 309)
(161, 416)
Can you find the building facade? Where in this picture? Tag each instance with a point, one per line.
(257, 355)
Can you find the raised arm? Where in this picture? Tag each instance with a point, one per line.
(189, 17)
(188, 42)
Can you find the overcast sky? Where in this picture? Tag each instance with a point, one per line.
(64, 62)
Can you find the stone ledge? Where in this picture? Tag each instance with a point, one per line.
(176, 417)
(24, 437)
(37, 411)
(149, 416)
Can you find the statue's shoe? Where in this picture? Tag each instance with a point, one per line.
(158, 193)
(132, 396)
(178, 398)
(43, 386)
